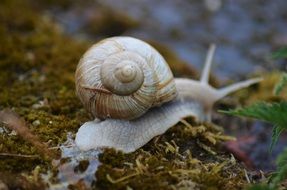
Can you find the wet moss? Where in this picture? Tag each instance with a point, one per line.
(172, 161)
(22, 181)
(36, 70)
(14, 145)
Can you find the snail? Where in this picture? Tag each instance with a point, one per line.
(130, 90)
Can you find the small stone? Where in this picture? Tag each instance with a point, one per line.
(2, 130)
(3, 186)
(36, 123)
(13, 133)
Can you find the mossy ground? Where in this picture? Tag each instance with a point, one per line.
(37, 64)
(185, 157)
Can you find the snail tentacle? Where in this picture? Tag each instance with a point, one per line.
(237, 86)
(207, 65)
(210, 95)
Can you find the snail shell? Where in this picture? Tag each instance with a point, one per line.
(119, 61)
(122, 78)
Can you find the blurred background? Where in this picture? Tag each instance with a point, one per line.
(245, 31)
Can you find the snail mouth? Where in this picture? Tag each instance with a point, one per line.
(99, 90)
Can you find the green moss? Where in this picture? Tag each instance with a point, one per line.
(173, 160)
(22, 181)
(13, 144)
(37, 63)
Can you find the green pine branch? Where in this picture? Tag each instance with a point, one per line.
(280, 85)
(278, 177)
(274, 113)
(281, 173)
(281, 53)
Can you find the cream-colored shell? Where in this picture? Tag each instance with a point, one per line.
(123, 77)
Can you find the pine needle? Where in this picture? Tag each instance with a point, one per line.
(281, 53)
(281, 173)
(280, 85)
(278, 177)
(274, 113)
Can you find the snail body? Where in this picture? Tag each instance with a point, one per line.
(128, 120)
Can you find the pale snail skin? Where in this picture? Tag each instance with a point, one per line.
(184, 97)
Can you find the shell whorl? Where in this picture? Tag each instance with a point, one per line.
(123, 77)
(122, 73)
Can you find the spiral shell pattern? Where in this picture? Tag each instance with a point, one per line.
(123, 77)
